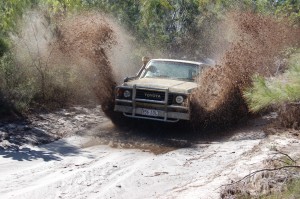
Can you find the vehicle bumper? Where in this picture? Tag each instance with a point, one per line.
(166, 116)
(160, 110)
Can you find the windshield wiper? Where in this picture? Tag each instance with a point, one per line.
(185, 79)
(162, 76)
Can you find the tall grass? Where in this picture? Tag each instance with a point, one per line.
(276, 90)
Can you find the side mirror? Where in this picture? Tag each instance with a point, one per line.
(126, 79)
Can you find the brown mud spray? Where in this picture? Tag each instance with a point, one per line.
(258, 42)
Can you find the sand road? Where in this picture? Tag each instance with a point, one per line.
(105, 163)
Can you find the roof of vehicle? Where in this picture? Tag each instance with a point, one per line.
(177, 60)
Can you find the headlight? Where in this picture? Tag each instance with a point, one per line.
(179, 99)
(127, 94)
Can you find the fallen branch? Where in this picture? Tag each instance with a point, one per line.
(286, 156)
(255, 172)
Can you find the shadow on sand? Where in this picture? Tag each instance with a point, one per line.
(27, 154)
(49, 152)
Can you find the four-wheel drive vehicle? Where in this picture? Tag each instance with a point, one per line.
(160, 91)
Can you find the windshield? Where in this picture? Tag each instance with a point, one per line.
(171, 70)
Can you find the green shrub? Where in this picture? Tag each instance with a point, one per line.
(276, 90)
(25, 86)
(17, 88)
(3, 46)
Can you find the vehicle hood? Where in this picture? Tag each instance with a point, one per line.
(175, 86)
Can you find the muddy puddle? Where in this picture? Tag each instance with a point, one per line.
(133, 139)
(132, 144)
(160, 141)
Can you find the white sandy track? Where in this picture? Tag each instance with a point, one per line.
(67, 169)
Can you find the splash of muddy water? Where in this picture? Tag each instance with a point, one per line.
(99, 43)
(86, 39)
(258, 42)
(72, 54)
(90, 48)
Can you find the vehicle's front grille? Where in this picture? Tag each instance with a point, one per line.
(154, 96)
(150, 95)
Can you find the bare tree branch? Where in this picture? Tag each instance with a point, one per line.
(258, 171)
(286, 156)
